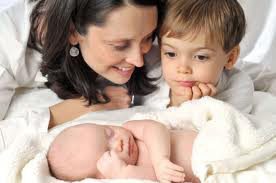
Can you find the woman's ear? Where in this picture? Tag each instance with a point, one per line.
(232, 57)
(74, 36)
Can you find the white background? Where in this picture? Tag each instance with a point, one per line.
(259, 44)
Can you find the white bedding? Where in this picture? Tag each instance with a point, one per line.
(246, 151)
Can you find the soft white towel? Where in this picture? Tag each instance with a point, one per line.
(228, 141)
(230, 146)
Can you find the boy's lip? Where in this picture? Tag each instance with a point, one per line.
(187, 83)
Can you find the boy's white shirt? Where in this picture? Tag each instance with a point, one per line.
(234, 87)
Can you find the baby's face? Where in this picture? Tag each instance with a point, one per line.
(74, 153)
(187, 62)
(118, 139)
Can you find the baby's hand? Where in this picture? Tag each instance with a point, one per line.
(166, 171)
(110, 165)
(202, 90)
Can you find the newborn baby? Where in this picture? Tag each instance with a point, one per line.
(141, 149)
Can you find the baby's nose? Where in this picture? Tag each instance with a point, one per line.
(118, 146)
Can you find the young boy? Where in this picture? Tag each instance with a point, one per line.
(141, 149)
(199, 42)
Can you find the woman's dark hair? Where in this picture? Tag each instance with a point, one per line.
(70, 77)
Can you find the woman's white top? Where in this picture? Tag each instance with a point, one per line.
(18, 64)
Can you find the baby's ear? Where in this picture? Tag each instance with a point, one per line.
(232, 58)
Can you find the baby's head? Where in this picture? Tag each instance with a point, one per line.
(74, 153)
(200, 38)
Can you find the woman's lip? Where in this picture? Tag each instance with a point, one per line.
(124, 72)
(187, 83)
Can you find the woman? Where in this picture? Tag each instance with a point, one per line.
(81, 43)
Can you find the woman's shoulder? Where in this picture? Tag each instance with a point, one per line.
(15, 21)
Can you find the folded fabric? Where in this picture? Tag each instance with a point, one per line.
(228, 141)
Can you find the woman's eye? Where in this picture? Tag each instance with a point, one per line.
(121, 47)
(170, 54)
(201, 57)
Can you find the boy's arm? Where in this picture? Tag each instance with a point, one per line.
(157, 139)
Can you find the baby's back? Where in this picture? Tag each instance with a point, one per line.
(181, 151)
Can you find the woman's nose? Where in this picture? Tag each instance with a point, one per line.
(136, 56)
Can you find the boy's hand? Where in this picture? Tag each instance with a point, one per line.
(202, 90)
(167, 172)
(110, 165)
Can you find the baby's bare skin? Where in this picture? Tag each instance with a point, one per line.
(140, 149)
(181, 152)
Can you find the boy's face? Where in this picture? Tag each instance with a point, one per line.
(187, 62)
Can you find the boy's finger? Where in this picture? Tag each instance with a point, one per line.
(206, 91)
(213, 89)
(188, 94)
(196, 92)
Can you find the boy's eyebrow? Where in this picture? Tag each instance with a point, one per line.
(206, 48)
(166, 44)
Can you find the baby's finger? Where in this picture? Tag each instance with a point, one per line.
(164, 181)
(172, 178)
(213, 89)
(175, 167)
(196, 92)
(206, 91)
(176, 178)
(174, 173)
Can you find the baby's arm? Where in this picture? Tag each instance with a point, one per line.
(113, 167)
(157, 139)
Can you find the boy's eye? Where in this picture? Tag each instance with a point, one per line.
(170, 54)
(201, 57)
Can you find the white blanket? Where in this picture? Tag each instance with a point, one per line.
(229, 146)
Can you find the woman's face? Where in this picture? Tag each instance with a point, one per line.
(116, 48)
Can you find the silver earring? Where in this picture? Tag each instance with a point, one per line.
(74, 51)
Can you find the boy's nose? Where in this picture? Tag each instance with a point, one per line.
(184, 69)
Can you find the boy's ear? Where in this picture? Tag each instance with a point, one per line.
(232, 58)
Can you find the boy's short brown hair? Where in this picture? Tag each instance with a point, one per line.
(221, 20)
